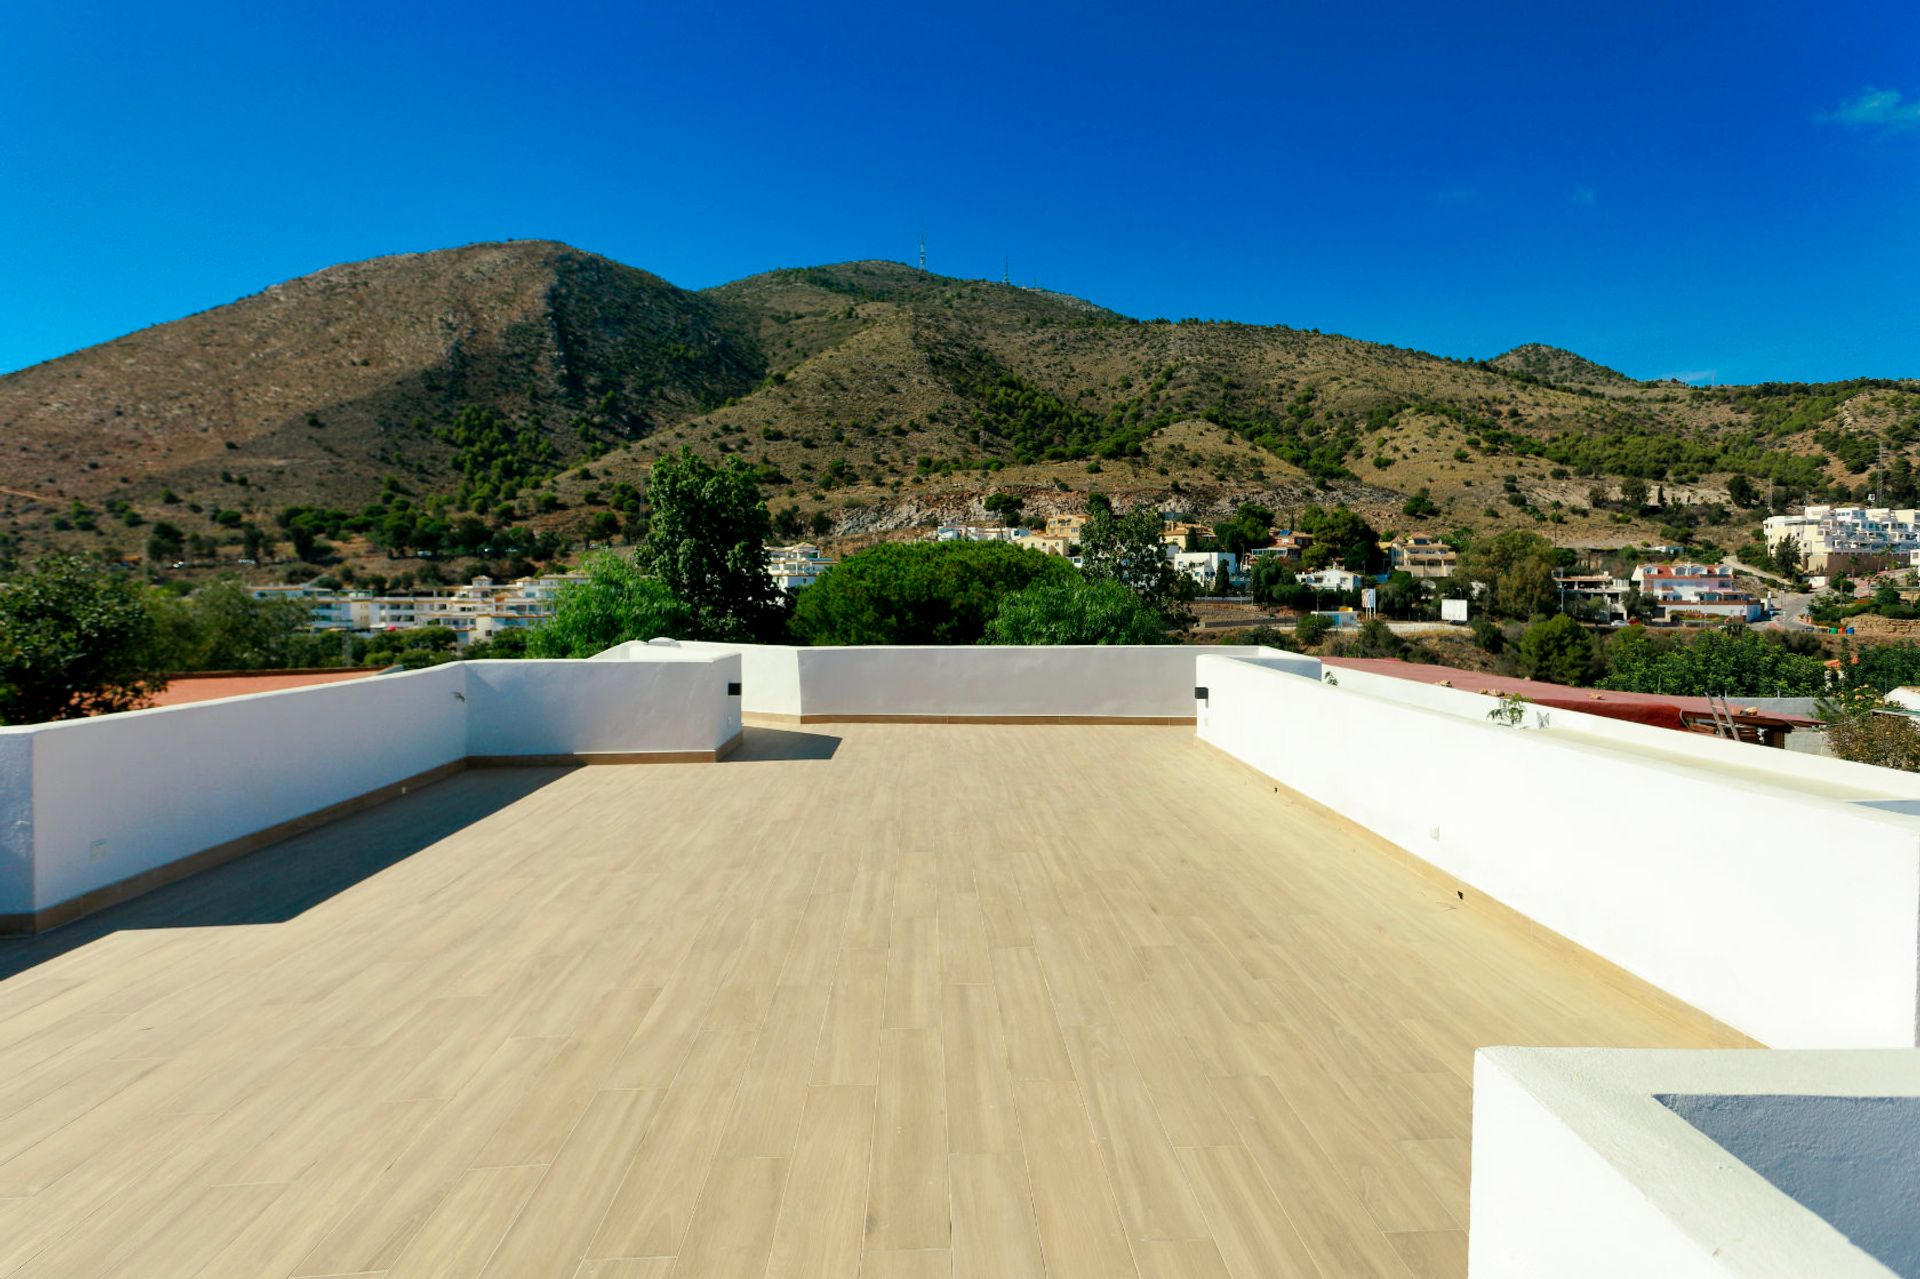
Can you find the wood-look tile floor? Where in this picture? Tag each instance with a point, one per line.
(957, 1000)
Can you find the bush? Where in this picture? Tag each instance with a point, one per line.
(1102, 612)
(1312, 628)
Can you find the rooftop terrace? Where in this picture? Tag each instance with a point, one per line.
(892, 1000)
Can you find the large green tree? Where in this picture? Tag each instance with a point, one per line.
(222, 627)
(1558, 650)
(707, 541)
(1514, 571)
(1127, 549)
(75, 639)
(920, 592)
(1084, 612)
(616, 603)
(1353, 542)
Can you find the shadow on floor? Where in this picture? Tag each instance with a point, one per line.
(284, 880)
(760, 744)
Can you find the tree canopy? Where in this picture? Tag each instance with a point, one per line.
(707, 541)
(615, 604)
(920, 592)
(1515, 571)
(1083, 612)
(75, 639)
(1126, 549)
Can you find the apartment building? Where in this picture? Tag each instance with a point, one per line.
(1833, 539)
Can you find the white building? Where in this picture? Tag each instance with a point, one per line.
(1826, 534)
(979, 533)
(1333, 579)
(1680, 591)
(1204, 566)
(793, 567)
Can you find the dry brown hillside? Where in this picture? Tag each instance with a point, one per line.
(881, 397)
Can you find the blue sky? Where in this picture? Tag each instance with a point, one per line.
(1727, 191)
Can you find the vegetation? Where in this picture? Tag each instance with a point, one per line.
(76, 639)
(921, 592)
(222, 627)
(1558, 650)
(707, 543)
(1126, 549)
(1086, 612)
(617, 603)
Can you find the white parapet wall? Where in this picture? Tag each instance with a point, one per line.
(88, 805)
(1584, 1168)
(1789, 912)
(663, 703)
(979, 682)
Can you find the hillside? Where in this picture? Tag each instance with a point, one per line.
(1556, 367)
(525, 383)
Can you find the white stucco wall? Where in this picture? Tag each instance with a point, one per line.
(1790, 915)
(663, 702)
(1579, 1171)
(88, 803)
(1790, 769)
(161, 784)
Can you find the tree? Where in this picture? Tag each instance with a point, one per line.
(1730, 661)
(165, 543)
(707, 541)
(1126, 549)
(1269, 579)
(1558, 650)
(615, 604)
(1250, 526)
(1005, 505)
(1222, 579)
(1740, 490)
(75, 640)
(1420, 505)
(1354, 542)
(1633, 494)
(1083, 612)
(222, 627)
(920, 592)
(1514, 571)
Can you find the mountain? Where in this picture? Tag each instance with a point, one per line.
(526, 382)
(1557, 367)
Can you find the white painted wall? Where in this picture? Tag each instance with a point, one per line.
(161, 784)
(1789, 914)
(983, 680)
(1579, 1171)
(664, 702)
(1788, 769)
(87, 803)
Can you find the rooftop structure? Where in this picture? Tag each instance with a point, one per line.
(998, 961)
(1680, 591)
